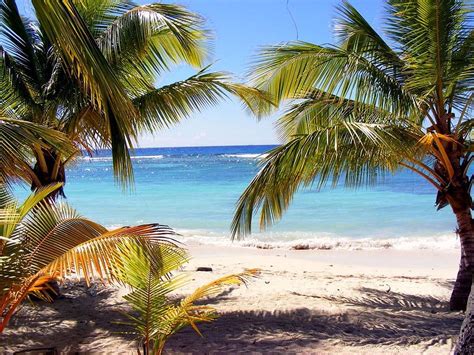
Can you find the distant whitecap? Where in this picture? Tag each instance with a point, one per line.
(245, 156)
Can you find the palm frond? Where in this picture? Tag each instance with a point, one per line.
(43, 241)
(318, 108)
(359, 151)
(158, 317)
(356, 35)
(15, 93)
(429, 32)
(291, 71)
(90, 253)
(19, 40)
(17, 138)
(169, 104)
(152, 36)
(66, 29)
(215, 286)
(12, 214)
(187, 313)
(150, 284)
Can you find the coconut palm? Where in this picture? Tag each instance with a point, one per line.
(17, 137)
(42, 241)
(156, 317)
(88, 69)
(371, 105)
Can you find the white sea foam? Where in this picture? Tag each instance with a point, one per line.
(148, 157)
(138, 157)
(245, 156)
(95, 158)
(311, 241)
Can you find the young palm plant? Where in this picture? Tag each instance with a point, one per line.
(155, 316)
(88, 69)
(369, 106)
(41, 241)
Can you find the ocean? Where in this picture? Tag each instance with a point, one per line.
(195, 190)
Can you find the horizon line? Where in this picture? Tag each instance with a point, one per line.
(206, 146)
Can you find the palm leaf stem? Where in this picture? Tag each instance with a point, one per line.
(464, 110)
(40, 158)
(429, 179)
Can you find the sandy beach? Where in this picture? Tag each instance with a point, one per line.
(305, 301)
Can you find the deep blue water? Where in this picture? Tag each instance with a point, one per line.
(197, 188)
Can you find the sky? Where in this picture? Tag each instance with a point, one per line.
(240, 28)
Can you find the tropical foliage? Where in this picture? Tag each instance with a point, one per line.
(155, 315)
(41, 242)
(370, 105)
(88, 69)
(17, 138)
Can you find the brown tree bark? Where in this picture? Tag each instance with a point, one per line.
(49, 169)
(465, 343)
(457, 195)
(462, 286)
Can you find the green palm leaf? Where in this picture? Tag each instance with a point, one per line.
(368, 106)
(296, 69)
(67, 30)
(156, 317)
(169, 104)
(358, 152)
(88, 68)
(156, 35)
(17, 138)
(41, 241)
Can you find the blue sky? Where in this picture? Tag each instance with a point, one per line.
(240, 27)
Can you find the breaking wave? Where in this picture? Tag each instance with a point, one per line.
(138, 157)
(245, 156)
(310, 241)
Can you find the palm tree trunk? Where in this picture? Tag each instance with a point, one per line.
(465, 344)
(161, 347)
(49, 169)
(462, 286)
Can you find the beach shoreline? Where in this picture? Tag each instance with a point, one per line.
(316, 241)
(324, 301)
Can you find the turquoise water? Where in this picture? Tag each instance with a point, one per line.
(194, 190)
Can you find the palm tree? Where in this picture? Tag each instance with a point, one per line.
(369, 106)
(156, 317)
(16, 139)
(41, 241)
(88, 69)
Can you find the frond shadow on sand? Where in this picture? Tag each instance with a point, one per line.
(375, 318)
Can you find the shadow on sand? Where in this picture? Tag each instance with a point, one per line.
(74, 319)
(376, 318)
(388, 319)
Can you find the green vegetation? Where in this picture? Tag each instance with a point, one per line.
(159, 317)
(82, 77)
(17, 138)
(370, 106)
(88, 69)
(41, 242)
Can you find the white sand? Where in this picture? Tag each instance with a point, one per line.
(308, 301)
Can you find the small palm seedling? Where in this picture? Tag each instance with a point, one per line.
(155, 316)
